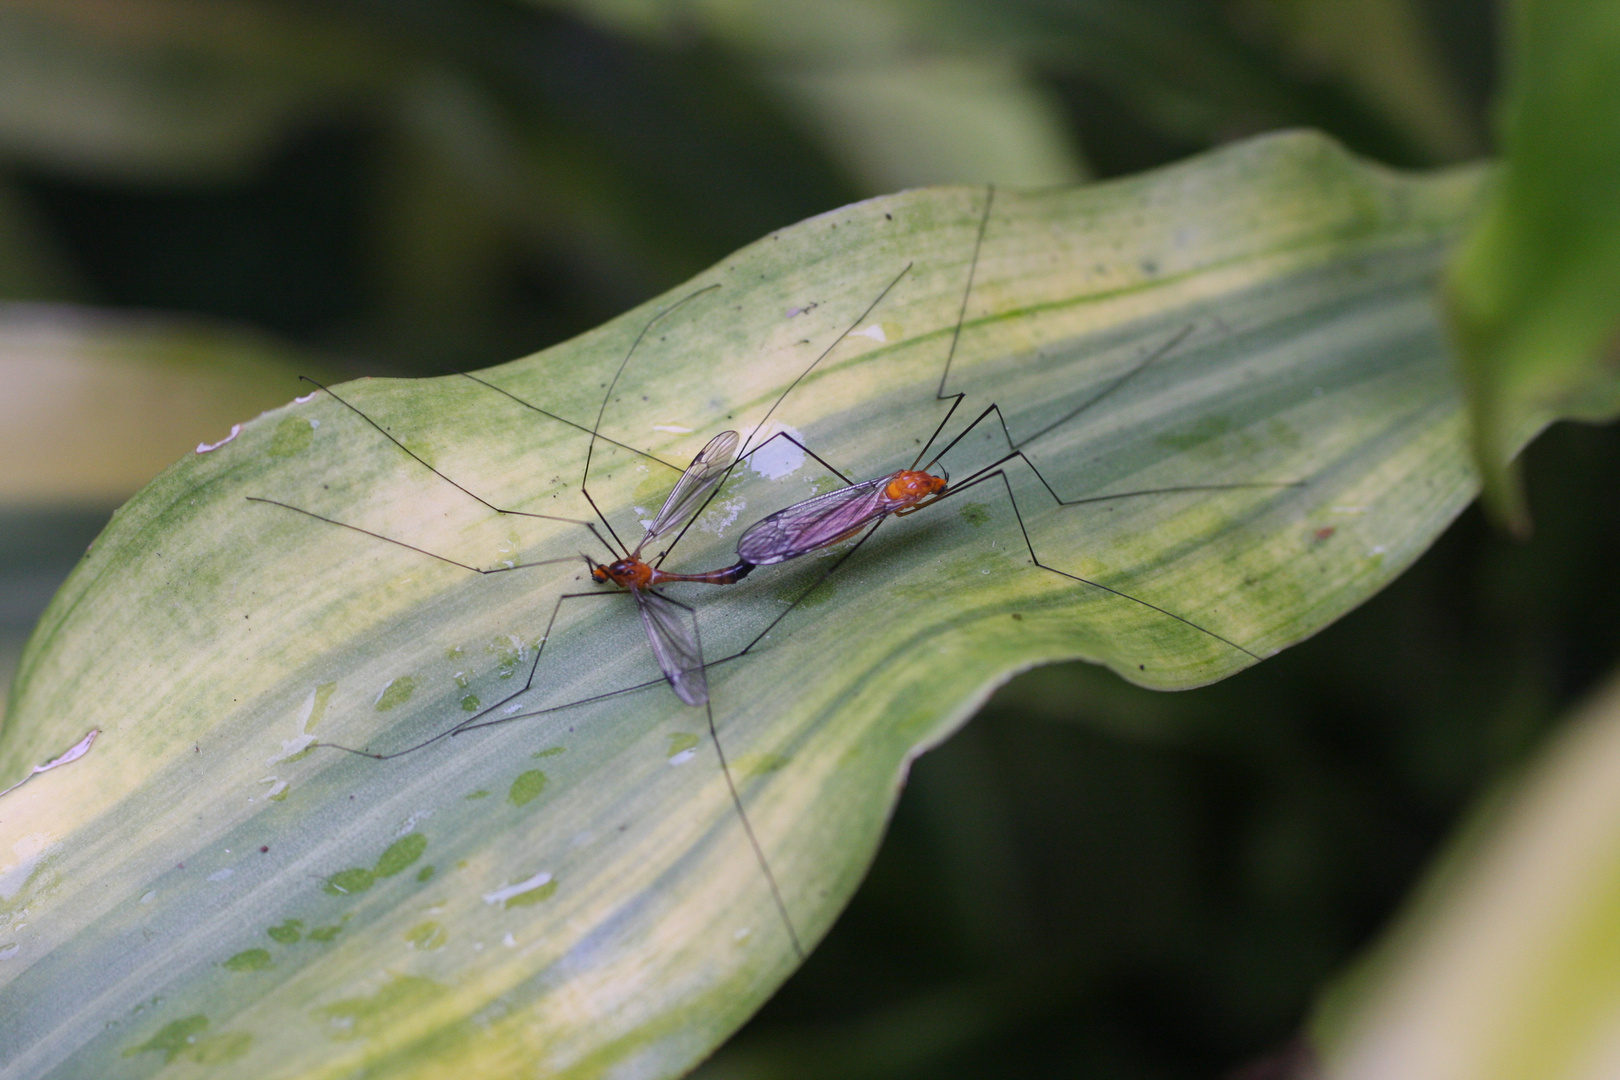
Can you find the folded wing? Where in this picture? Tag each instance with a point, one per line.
(673, 632)
(694, 485)
(814, 523)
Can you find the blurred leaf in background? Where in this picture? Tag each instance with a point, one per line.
(1535, 291)
(1505, 966)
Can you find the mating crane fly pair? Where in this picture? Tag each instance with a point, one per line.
(815, 524)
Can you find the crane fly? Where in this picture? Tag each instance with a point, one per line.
(671, 626)
(826, 520)
(675, 645)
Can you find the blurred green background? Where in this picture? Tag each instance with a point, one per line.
(199, 201)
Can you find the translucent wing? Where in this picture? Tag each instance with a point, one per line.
(694, 485)
(814, 523)
(672, 630)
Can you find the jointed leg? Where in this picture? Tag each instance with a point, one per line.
(1015, 452)
(409, 547)
(459, 487)
(479, 719)
(1034, 558)
(753, 841)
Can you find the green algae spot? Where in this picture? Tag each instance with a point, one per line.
(427, 936)
(470, 703)
(287, 933)
(324, 934)
(282, 794)
(217, 1050)
(507, 653)
(479, 794)
(650, 490)
(550, 751)
(293, 435)
(184, 1038)
(317, 707)
(401, 854)
(527, 787)
(681, 742)
(425, 874)
(1282, 433)
(248, 960)
(396, 693)
(760, 764)
(975, 514)
(531, 896)
(401, 997)
(173, 1038)
(1207, 428)
(819, 595)
(356, 879)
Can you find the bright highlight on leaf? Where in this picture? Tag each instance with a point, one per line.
(460, 910)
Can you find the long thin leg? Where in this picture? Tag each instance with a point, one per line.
(1014, 444)
(409, 547)
(478, 720)
(1141, 366)
(967, 290)
(596, 429)
(800, 599)
(662, 555)
(753, 841)
(675, 659)
(956, 332)
(414, 456)
(746, 446)
(825, 353)
(819, 459)
(564, 420)
(418, 459)
(1002, 474)
(1017, 453)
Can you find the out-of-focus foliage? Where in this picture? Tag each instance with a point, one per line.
(1535, 292)
(96, 404)
(444, 184)
(1509, 966)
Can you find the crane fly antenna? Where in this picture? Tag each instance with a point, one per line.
(634, 345)
(747, 447)
(565, 420)
(967, 290)
(824, 354)
(961, 317)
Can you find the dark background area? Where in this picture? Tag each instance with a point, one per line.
(1089, 880)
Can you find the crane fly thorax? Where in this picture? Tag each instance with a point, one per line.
(909, 486)
(629, 573)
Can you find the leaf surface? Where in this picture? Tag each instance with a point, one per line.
(573, 894)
